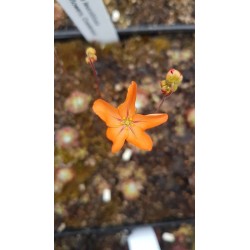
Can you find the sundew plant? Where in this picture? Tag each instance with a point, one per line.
(124, 123)
(124, 133)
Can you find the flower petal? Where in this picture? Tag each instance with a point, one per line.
(107, 113)
(117, 136)
(128, 107)
(149, 121)
(139, 138)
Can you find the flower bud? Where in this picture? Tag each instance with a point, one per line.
(174, 76)
(166, 88)
(93, 58)
(173, 80)
(90, 51)
(91, 55)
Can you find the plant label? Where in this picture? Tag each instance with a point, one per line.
(92, 20)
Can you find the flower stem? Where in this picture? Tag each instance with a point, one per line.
(97, 82)
(163, 99)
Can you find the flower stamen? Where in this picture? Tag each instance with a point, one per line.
(127, 121)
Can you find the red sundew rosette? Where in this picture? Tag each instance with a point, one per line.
(64, 175)
(77, 102)
(66, 137)
(190, 116)
(131, 189)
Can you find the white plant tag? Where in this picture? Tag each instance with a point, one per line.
(143, 238)
(92, 19)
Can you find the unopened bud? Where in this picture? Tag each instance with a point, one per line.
(174, 76)
(166, 87)
(91, 55)
(93, 58)
(90, 51)
(172, 82)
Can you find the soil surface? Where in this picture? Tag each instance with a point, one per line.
(128, 13)
(162, 179)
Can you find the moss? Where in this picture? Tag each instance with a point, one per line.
(70, 190)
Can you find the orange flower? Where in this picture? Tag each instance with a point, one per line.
(125, 125)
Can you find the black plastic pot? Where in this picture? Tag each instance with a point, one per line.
(168, 224)
(134, 30)
(150, 30)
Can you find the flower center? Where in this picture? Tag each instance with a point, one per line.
(127, 121)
